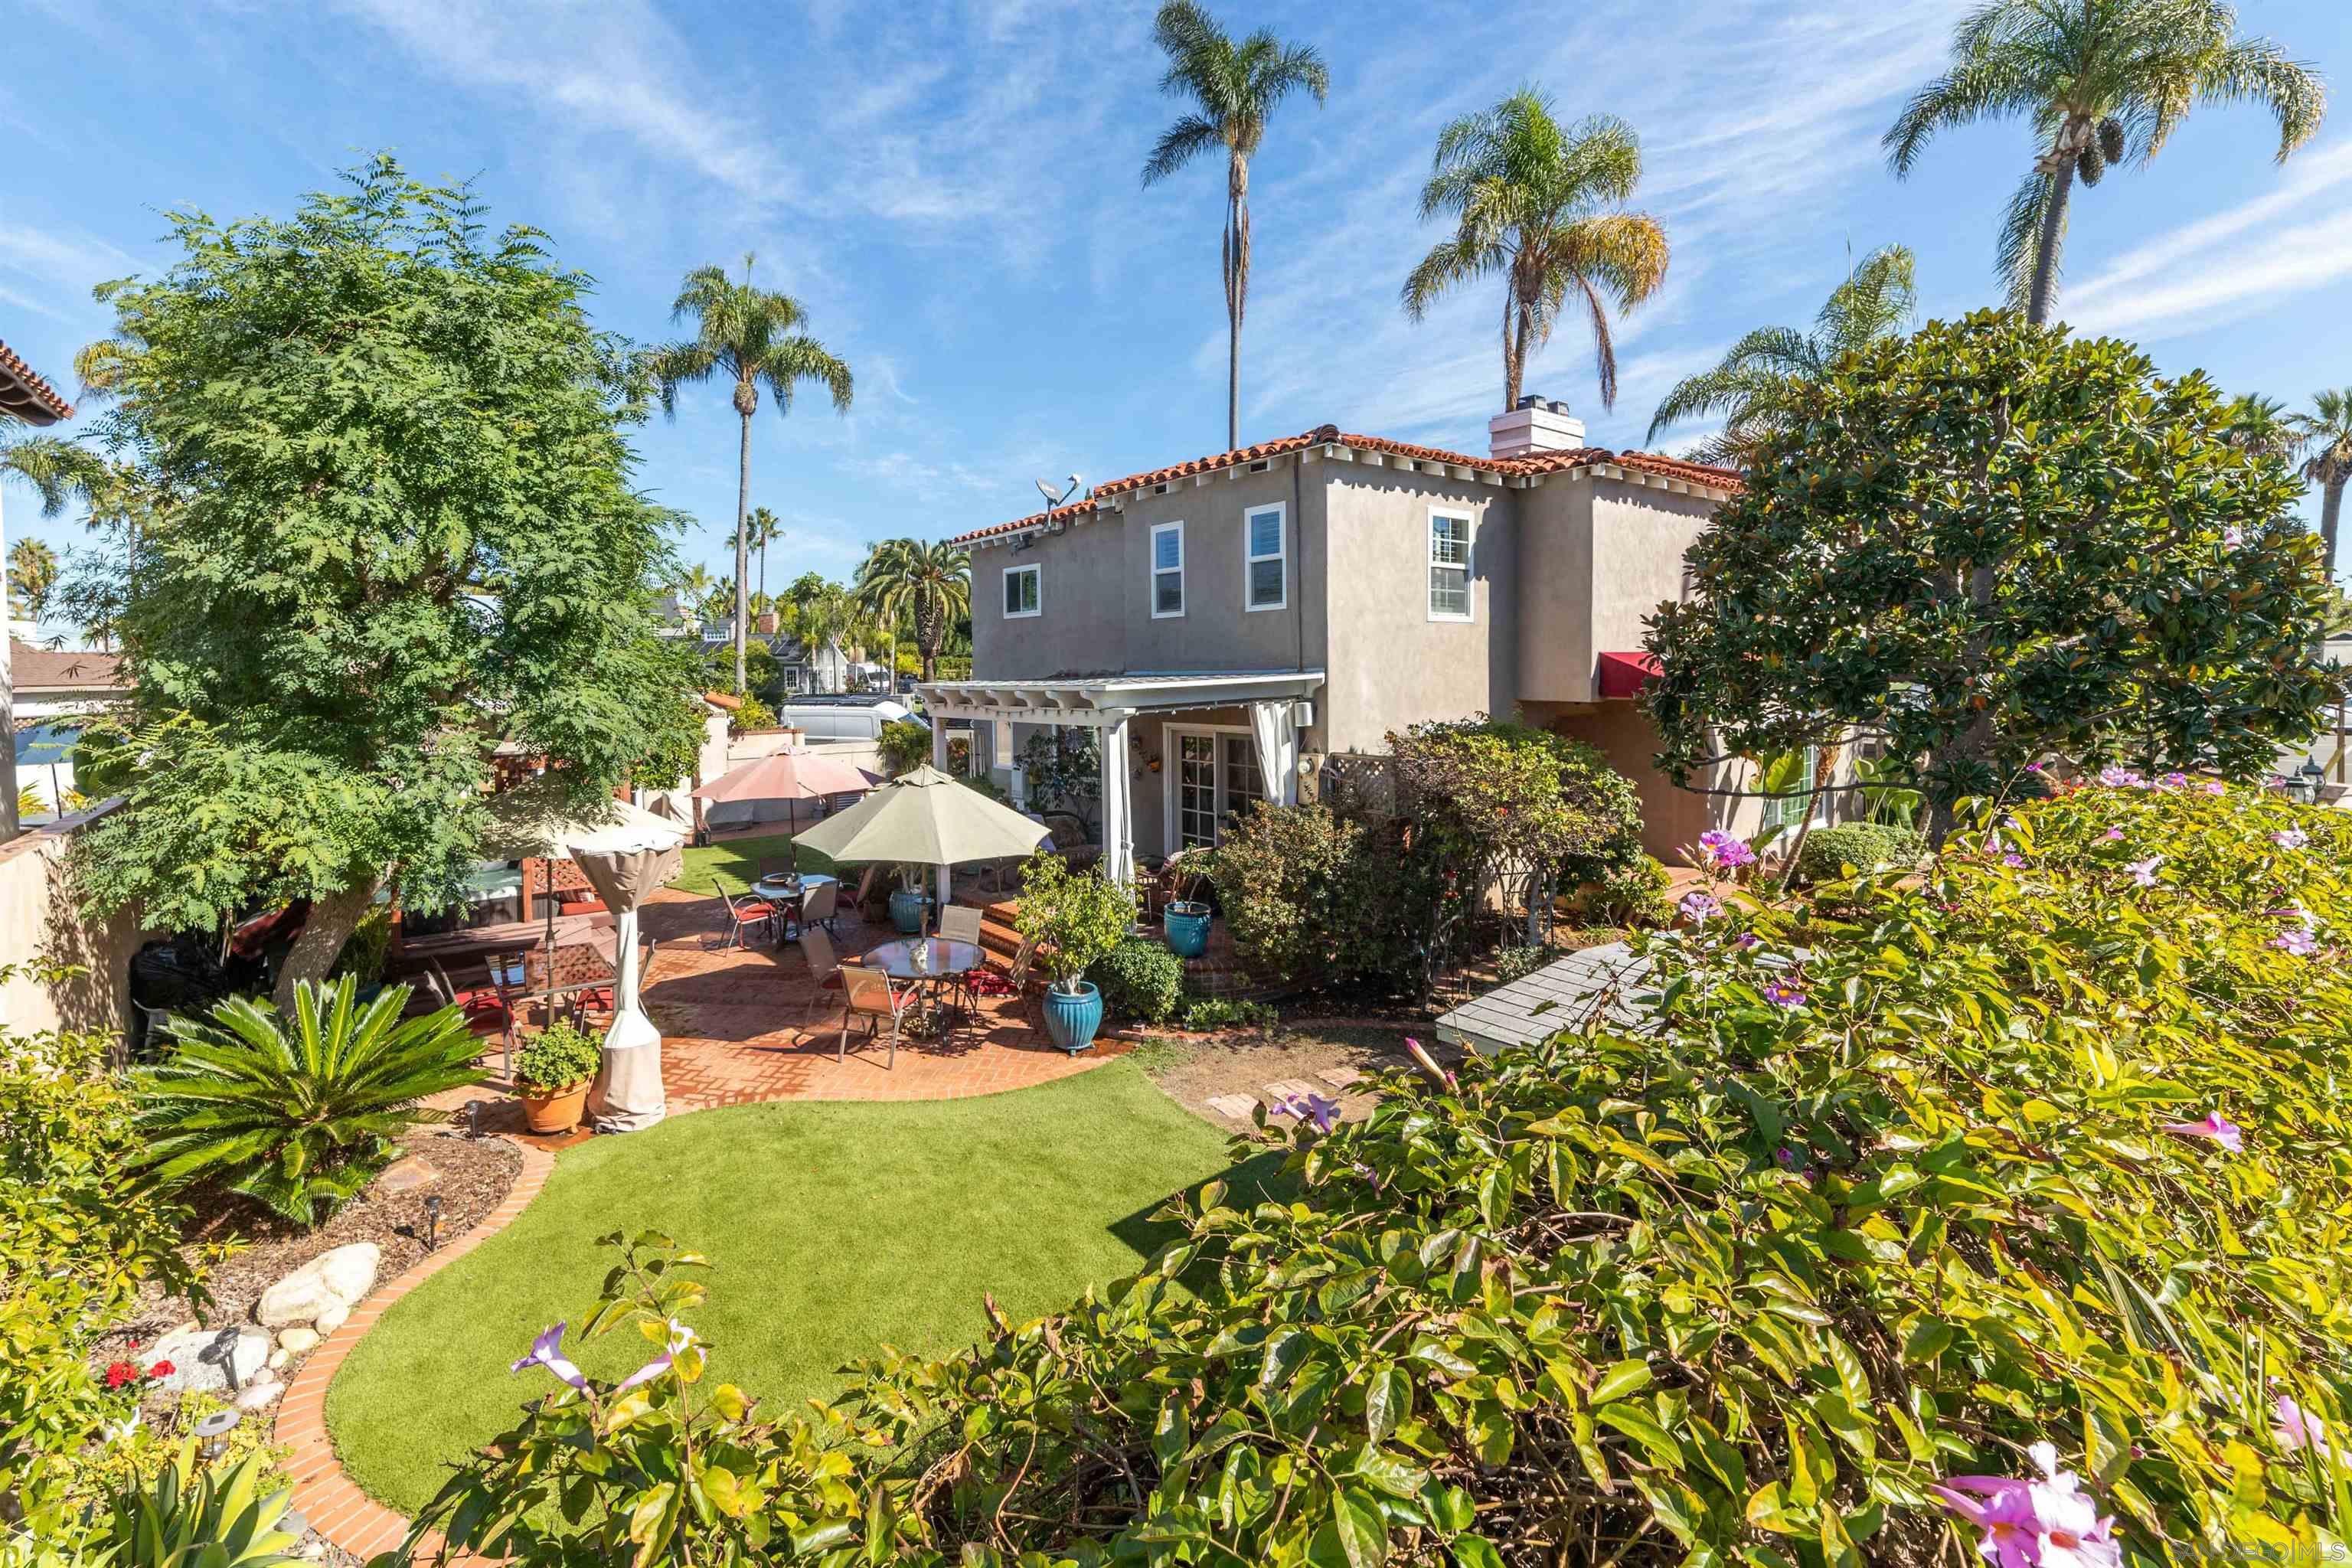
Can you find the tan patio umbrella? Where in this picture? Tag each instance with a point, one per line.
(626, 852)
(925, 817)
(788, 776)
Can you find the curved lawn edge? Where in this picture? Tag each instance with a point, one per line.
(325, 1497)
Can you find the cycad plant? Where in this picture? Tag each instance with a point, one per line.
(1532, 201)
(194, 1516)
(1751, 387)
(2103, 82)
(297, 1114)
(2325, 435)
(930, 584)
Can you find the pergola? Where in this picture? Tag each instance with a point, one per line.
(1105, 703)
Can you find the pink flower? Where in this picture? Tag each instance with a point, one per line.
(1724, 851)
(1428, 1063)
(1698, 906)
(2048, 1523)
(2232, 537)
(2143, 871)
(681, 1336)
(2291, 839)
(2115, 833)
(2298, 941)
(2297, 1429)
(2216, 787)
(2216, 1126)
(2116, 777)
(547, 1351)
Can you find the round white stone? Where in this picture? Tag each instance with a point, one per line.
(341, 1278)
(296, 1341)
(333, 1318)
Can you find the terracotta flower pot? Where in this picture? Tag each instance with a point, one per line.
(554, 1110)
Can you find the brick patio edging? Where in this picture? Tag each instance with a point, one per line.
(323, 1495)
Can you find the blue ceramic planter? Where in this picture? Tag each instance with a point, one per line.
(906, 910)
(1071, 1021)
(1187, 926)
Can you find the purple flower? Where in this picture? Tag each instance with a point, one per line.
(1724, 850)
(1789, 1160)
(547, 1351)
(681, 1336)
(2298, 1429)
(2013, 859)
(2232, 537)
(2034, 767)
(1781, 995)
(1324, 1114)
(2215, 1126)
(2173, 781)
(2299, 942)
(1746, 938)
(2216, 787)
(2291, 839)
(1699, 906)
(2115, 833)
(2116, 777)
(2048, 1523)
(1429, 1063)
(2143, 871)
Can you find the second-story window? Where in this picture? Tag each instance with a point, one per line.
(1268, 542)
(1449, 566)
(1167, 571)
(1021, 591)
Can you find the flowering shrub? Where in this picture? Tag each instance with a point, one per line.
(2003, 1212)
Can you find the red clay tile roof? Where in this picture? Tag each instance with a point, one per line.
(1535, 463)
(31, 667)
(26, 396)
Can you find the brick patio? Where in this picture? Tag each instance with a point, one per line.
(745, 1024)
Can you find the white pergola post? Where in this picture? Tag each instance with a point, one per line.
(939, 761)
(1117, 806)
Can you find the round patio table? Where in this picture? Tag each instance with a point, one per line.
(780, 890)
(947, 959)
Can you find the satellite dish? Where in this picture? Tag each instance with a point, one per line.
(1057, 495)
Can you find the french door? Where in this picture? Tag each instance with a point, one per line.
(1215, 775)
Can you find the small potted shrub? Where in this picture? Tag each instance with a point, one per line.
(553, 1071)
(1074, 920)
(1186, 918)
(908, 903)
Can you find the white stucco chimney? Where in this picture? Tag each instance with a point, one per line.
(1536, 425)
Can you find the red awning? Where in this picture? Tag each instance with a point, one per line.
(1625, 674)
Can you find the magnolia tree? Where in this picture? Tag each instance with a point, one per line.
(398, 533)
(1988, 543)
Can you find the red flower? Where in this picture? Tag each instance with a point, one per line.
(120, 1372)
(161, 1369)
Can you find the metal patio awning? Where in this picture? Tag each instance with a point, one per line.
(1105, 699)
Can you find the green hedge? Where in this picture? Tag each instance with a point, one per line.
(1874, 1203)
(1139, 979)
(1865, 845)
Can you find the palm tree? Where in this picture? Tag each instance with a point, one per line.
(752, 337)
(2325, 434)
(32, 574)
(823, 616)
(2103, 82)
(1751, 385)
(930, 584)
(1233, 88)
(765, 529)
(2262, 426)
(1527, 195)
(692, 587)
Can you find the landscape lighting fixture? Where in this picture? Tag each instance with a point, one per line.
(432, 1223)
(213, 1432)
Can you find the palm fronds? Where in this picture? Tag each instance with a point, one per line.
(298, 1113)
(908, 580)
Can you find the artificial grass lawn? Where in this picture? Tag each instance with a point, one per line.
(734, 863)
(832, 1228)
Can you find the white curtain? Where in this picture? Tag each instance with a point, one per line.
(628, 1096)
(1277, 750)
(1117, 806)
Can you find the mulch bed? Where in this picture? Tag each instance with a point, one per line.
(474, 1176)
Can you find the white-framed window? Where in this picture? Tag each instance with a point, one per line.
(1449, 565)
(1266, 539)
(1212, 777)
(1167, 571)
(1024, 592)
(1788, 811)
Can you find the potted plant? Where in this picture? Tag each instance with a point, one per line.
(553, 1071)
(908, 903)
(1071, 919)
(1186, 918)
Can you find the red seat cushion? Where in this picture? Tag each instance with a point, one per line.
(753, 911)
(584, 907)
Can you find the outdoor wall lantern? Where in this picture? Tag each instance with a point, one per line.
(2313, 776)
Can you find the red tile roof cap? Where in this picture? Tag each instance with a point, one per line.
(26, 396)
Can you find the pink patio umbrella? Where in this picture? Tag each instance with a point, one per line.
(791, 776)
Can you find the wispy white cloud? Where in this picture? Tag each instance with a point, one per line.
(63, 261)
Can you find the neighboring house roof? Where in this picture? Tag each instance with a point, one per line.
(722, 700)
(1531, 466)
(29, 396)
(81, 673)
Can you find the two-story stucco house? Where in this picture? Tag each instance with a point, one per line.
(1229, 624)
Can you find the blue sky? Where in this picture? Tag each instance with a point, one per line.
(952, 191)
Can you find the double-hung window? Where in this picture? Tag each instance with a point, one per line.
(1449, 566)
(1022, 592)
(1167, 571)
(1266, 537)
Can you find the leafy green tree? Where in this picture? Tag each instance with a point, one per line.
(928, 584)
(31, 574)
(1234, 89)
(749, 337)
(1530, 199)
(1989, 543)
(402, 532)
(692, 586)
(2325, 436)
(2102, 81)
(297, 1112)
(1748, 388)
(824, 613)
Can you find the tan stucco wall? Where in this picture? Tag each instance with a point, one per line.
(1596, 558)
(1082, 624)
(38, 918)
(1672, 818)
(1390, 663)
(1217, 629)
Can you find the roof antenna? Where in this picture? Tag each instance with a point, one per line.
(1056, 496)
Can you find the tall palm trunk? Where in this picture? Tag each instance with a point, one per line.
(742, 518)
(2331, 509)
(2067, 148)
(1237, 260)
